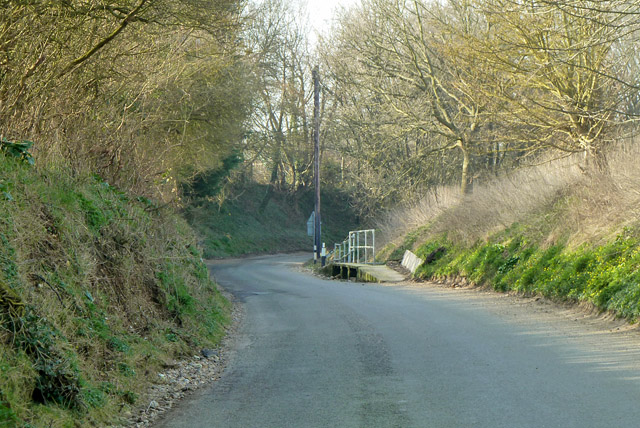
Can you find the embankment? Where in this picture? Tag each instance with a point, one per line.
(99, 290)
(555, 230)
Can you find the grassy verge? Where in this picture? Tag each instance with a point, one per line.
(238, 227)
(605, 275)
(552, 231)
(98, 291)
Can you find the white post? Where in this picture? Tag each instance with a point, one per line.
(352, 247)
(373, 237)
(366, 248)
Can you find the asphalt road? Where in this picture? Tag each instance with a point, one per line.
(317, 353)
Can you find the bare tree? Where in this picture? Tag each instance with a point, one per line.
(570, 62)
(133, 90)
(412, 56)
(280, 138)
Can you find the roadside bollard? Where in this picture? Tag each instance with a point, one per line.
(323, 254)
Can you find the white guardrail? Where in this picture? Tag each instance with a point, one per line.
(359, 247)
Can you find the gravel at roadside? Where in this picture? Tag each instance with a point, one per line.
(186, 376)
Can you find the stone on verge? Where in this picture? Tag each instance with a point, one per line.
(208, 353)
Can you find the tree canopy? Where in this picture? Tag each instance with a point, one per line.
(156, 94)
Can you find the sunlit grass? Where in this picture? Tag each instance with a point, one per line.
(551, 230)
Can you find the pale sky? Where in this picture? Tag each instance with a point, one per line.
(321, 12)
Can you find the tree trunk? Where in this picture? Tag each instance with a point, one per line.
(595, 161)
(271, 189)
(465, 181)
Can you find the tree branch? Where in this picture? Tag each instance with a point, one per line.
(123, 24)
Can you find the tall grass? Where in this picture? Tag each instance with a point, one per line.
(555, 230)
(584, 206)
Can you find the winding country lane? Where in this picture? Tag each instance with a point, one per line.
(318, 353)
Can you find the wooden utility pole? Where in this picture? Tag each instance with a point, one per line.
(316, 159)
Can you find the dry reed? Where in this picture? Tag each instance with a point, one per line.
(593, 205)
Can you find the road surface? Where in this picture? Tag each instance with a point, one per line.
(318, 353)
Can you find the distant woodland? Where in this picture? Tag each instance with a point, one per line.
(175, 99)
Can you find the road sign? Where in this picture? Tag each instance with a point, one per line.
(311, 223)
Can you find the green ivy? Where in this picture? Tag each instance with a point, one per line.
(17, 150)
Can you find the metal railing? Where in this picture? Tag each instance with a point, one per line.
(359, 247)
